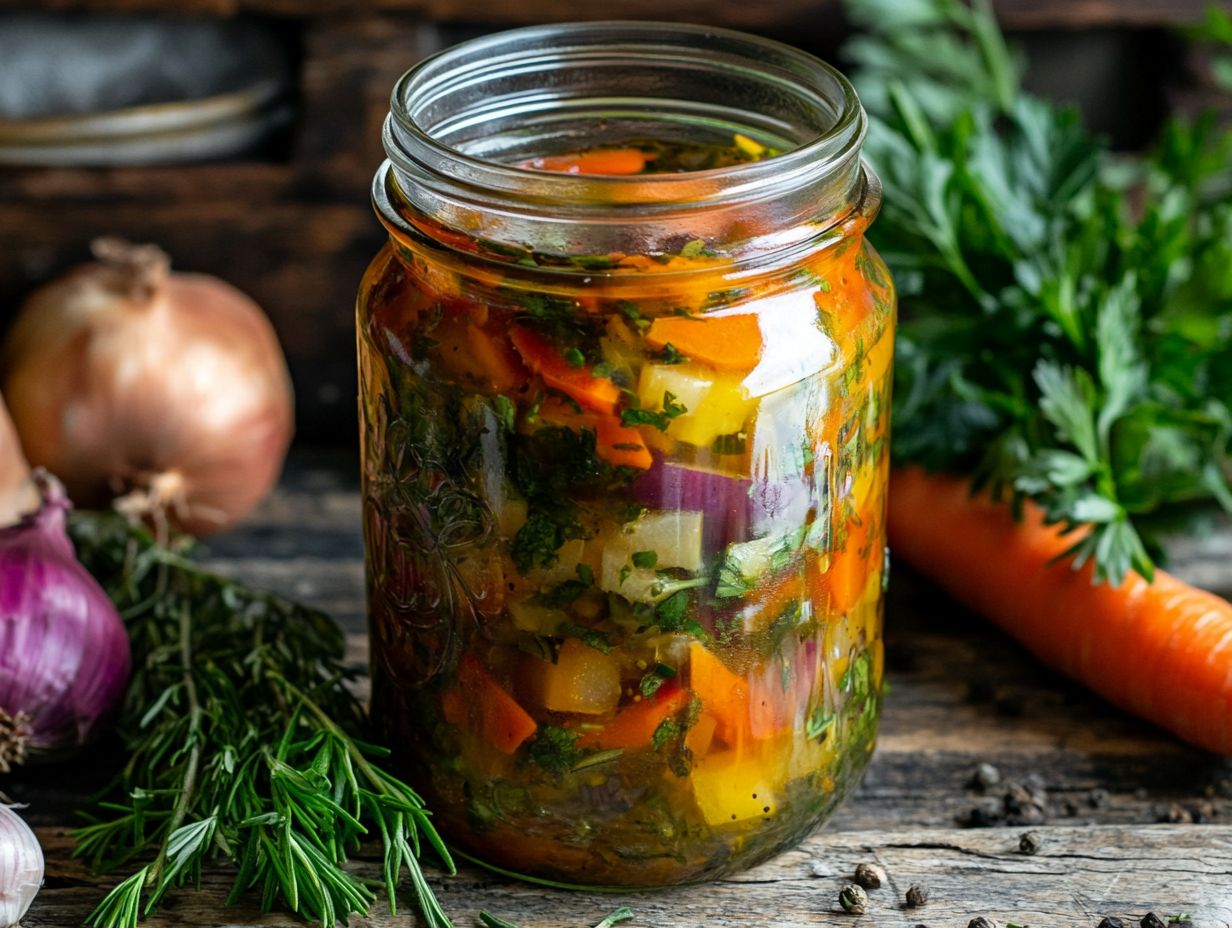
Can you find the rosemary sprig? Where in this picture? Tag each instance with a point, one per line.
(244, 745)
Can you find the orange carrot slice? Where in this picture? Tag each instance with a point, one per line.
(724, 695)
(730, 343)
(849, 569)
(482, 705)
(635, 725)
(542, 357)
(599, 161)
(617, 444)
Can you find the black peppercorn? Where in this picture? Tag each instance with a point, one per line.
(870, 876)
(1030, 842)
(853, 899)
(985, 777)
(1111, 922)
(980, 922)
(1151, 920)
(917, 895)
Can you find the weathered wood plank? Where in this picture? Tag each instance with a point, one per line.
(1078, 876)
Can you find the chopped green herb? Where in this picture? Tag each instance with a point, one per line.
(588, 636)
(574, 357)
(646, 560)
(563, 593)
(655, 678)
(593, 262)
(506, 412)
(697, 249)
(667, 732)
(555, 750)
(669, 355)
(671, 614)
(597, 759)
(650, 684)
(659, 419)
(818, 724)
(630, 512)
(535, 543)
(585, 574)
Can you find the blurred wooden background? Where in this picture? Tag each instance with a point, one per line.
(291, 225)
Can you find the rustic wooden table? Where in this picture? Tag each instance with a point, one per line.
(1131, 821)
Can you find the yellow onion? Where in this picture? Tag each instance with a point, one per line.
(18, 494)
(164, 392)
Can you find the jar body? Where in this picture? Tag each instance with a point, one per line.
(627, 649)
(625, 370)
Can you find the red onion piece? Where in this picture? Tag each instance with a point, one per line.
(734, 508)
(64, 654)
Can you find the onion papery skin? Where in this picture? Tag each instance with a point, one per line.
(64, 653)
(167, 390)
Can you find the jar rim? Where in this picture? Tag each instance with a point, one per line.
(419, 156)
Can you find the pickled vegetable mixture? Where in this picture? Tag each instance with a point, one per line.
(626, 554)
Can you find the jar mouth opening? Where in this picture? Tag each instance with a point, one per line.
(463, 119)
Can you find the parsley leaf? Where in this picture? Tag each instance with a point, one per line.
(660, 419)
(555, 750)
(646, 560)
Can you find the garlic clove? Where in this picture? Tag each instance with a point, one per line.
(21, 867)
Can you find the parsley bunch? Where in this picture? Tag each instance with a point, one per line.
(1066, 332)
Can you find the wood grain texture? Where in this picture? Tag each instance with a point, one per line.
(1078, 876)
(960, 694)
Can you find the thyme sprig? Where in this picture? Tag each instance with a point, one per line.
(245, 745)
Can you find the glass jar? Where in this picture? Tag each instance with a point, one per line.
(625, 371)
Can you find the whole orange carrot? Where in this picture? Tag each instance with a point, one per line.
(1162, 650)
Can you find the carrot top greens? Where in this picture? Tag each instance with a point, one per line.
(1067, 319)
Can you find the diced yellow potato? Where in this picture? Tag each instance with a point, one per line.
(510, 516)
(583, 680)
(675, 536)
(618, 575)
(675, 539)
(750, 147)
(715, 403)
(732, 787)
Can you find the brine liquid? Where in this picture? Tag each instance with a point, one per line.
(625, 556)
